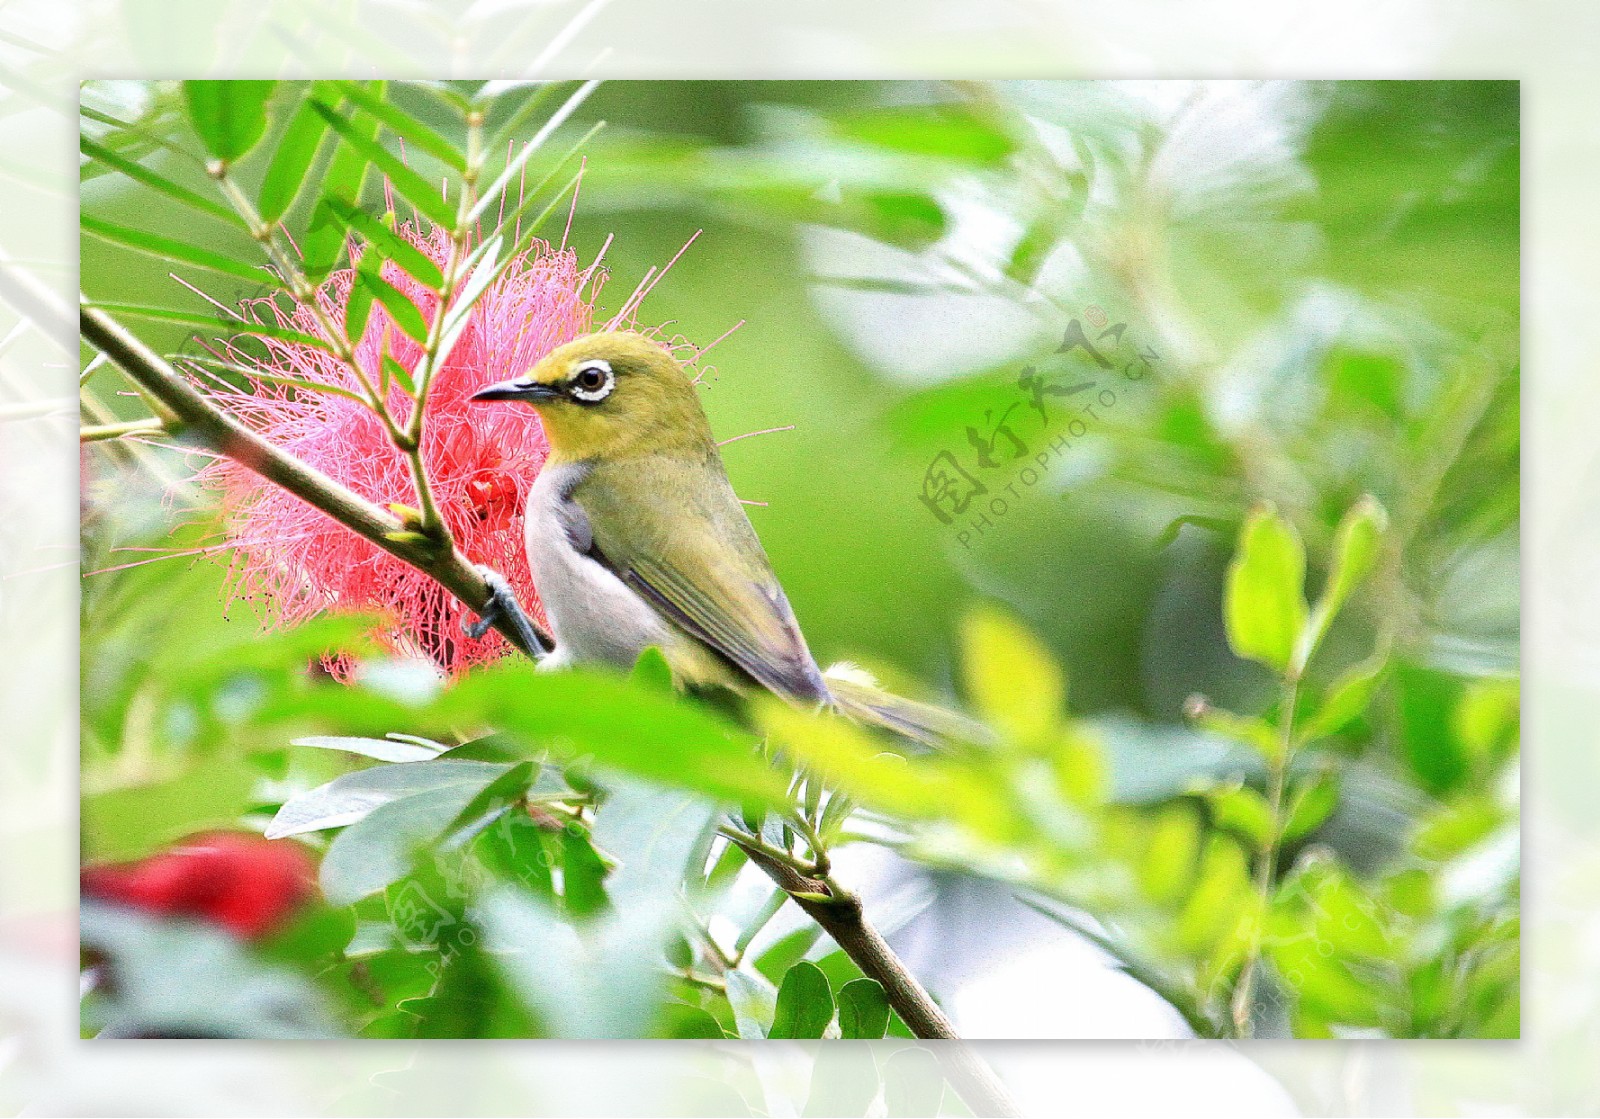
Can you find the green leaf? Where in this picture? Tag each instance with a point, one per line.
(400, 374)
(230, 327)
(753, 999)
(1347, 697)
(410, 185)
(680, 1020)
(583, 874)
(1453, 830)
(390, 244)
(787, 950)
(1011, 676)
(289, 172)
(383, 749)
(1172, 844)
(342, 182)
(1311, 802)
(805, 1004)
(601, 979)
(863, 1009)
(357, 311)
(1265, 604)
(1355, 550)
(406, 314)
(587, 714)
(496, 797)
(140, 173)
(350, 798)
(652, 671)
(230, 116)
(944, 132)
(404, 125)
(1215, 903)
(172, 250)
(1240, 809)
(380, 848)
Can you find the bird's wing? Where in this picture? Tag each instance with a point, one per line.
(676, 533)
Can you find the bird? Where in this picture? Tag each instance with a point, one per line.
(635, 538)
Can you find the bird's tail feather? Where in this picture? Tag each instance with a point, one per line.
(857, 695)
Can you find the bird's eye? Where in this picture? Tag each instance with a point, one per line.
(592, 381)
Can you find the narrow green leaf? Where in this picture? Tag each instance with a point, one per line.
(383, 749)
(1265, 603)
(289, 172)
(1355, 550)
(411, 186)
(223, 327)
(156, 245)
(401, 375)
(406, 314)
(1347, 697)
(342, 181)
(405, 126)
(498, 795)
(298, 383)
(357, 310)
(514, 166)
(349, 798)
(459, 312)
(805, 1004)
(945, 132)
(863, 1010)
(391, 244)
(140, 173)
(230, 116)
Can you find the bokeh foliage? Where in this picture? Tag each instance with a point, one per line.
(1324, 280)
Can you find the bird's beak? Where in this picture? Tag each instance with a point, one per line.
(523, 389)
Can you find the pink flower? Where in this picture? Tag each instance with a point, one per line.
(293, 561)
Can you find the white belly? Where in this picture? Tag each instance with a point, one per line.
(594, 616)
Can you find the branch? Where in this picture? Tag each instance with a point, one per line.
(205, 421)
(841, 917)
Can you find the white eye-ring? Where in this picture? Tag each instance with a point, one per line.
(593, 381)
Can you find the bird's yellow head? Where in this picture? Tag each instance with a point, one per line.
(610, 396)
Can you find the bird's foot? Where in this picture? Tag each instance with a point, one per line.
(503, 606)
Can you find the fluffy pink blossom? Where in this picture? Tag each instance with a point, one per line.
(292, 561)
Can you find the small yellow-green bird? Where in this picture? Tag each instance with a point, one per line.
(635, 538)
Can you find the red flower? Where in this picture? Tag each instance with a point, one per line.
(244, 883)
(295, 561)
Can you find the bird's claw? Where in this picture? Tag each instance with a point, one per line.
(503, 605)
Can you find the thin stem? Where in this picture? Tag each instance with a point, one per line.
(819, 851)
(1267, 865)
